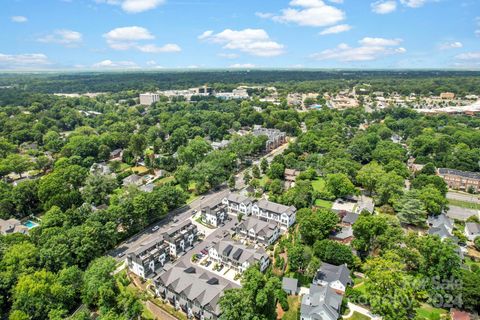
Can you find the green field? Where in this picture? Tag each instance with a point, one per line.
(427, 312)
(318, 184)
(464, 204)
(293, 305)
(323, 203)
(358, 316)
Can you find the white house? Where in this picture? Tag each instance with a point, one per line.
(335, 277)
(214, 216)
(238, 256)
(181, 237)
(265, 232)
(237, 203)
(271, 211)
(472, 230)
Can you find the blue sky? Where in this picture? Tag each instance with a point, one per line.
(156, 34)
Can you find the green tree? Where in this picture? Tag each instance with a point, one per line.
(433, 200)
(339, 185)
(317, 225)
(389, 187)
(99, 286)
(411, 210)
(276, 171)
(97, 188)
(255, 171)
(369, 175)
(264, 165)
(333, 252)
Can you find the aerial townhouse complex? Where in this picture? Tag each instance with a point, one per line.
(263, 209)
(180, 237)
(275, 137)
(215, 215)
(193, 290)
(264, 232)
(238, 256)
(148, 260)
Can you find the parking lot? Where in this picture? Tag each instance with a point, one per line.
(218, 269)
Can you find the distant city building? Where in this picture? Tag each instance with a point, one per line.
(276, 138)
(237, 256)
(147, 99)
(447, 95)
(460, 180)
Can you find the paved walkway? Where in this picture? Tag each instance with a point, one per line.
(356, 308)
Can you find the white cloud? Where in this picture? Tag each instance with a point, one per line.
(264, 15)
(126, 38)
(27, 60)
(369, 49)
(470, 56)
(242, 66)
(151, 48)
(384, 6)
(134, 6)
(255, 42)
(63, 36)
(451, 45)
(19, 19)
(336, 29)
(314, 13)
(413, 3)
(228, 55)
(107, 64)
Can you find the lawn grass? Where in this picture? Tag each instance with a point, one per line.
(464, 204)
(140, 170)
(293, 308)
(427, 312)
(263, 181)
(318, 184)
(358, 316)
(164, 180)
(323, 203)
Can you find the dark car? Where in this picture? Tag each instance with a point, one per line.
(221, 267)
(208, 263)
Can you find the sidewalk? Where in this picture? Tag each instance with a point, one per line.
(357, 308)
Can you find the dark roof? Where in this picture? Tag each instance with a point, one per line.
(227, 250)
(289, 284)
(465, 174)
(330, 273)
(350, 218)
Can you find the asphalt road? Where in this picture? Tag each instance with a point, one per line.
(463, 197)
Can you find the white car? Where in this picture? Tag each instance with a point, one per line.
(155, 228)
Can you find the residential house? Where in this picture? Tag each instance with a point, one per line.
(472, 230)
(290, 286)
(100, 168)
(238, 256)
(290, 177)
(320, 303)
(264, 232)
(12, 226)
(149, 259)
(116, 154)
(271, 211)
(442, 226)
(238, 204)
(332, 276)
(276, 138)
(220, 145)
(214, 216)
(344, 235)
(181, 237)
(147, 187)
(193, 290)
(133, 179)
(460, 180)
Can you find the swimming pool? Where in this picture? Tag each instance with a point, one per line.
(30, 224)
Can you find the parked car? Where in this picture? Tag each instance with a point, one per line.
(220, 267)
(121, 254)
(155, 228)
(208, 263)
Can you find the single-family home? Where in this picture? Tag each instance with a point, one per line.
(133, 179)
(472, 230)
(320, 303)
(335, 277)
(12, 226)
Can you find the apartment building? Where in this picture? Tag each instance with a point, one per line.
(193, 290)
(254, 229)
(214, 216)
(460, 180)
(147, 99)
(237, 256)
(148, 260)
(271, 211)
(180, 237)
(238, 204)
(276, 138)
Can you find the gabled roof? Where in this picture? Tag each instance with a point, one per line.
(331, 273)
(465, 174)
(238, 198)
(440, 220)
(236, 251)
(472, 228)
(260, 227)
(350, 218)
(277, 208)
(321, 303)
